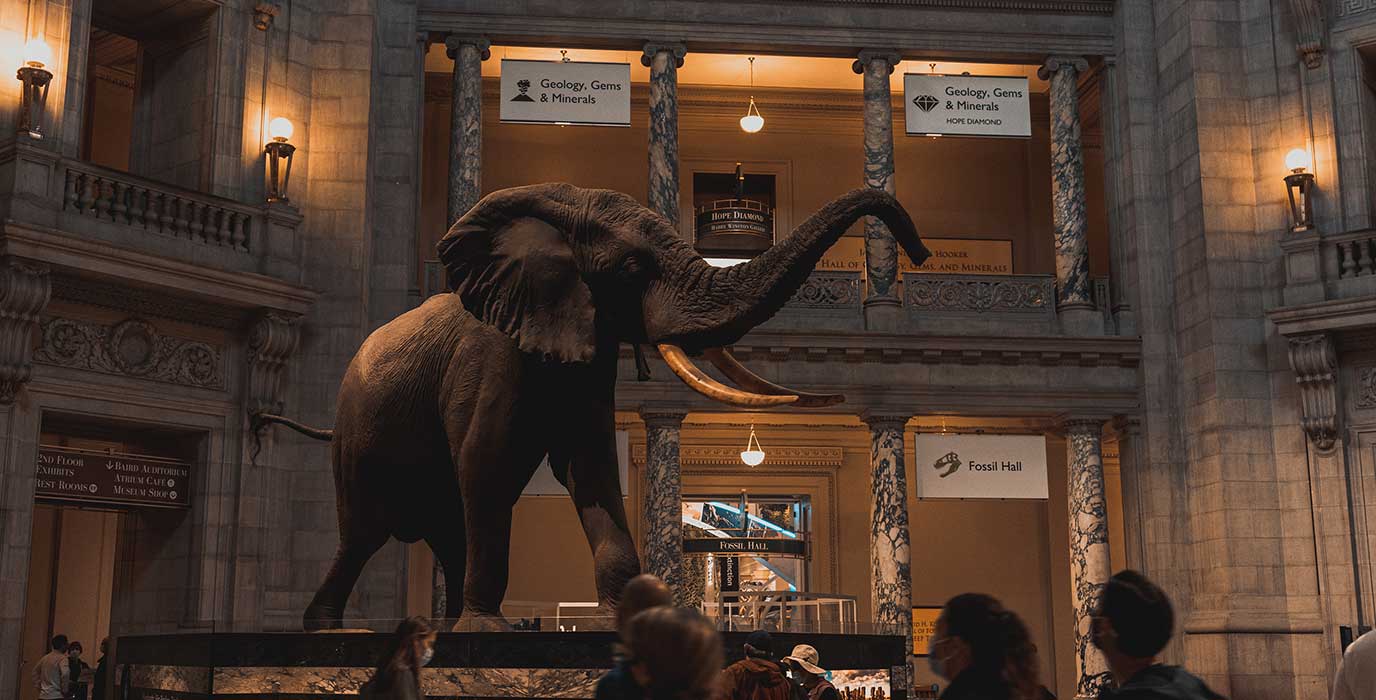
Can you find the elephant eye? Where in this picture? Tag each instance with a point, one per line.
(632, 266)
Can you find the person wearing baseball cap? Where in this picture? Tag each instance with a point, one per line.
(758, 676)
(804, 663)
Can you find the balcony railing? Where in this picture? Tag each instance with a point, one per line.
(1354, 254)
(1031, 296)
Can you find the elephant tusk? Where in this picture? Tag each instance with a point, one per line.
(748, 380)
(700, 382)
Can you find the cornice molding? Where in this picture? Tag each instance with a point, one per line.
(776, 456)
(144, 303)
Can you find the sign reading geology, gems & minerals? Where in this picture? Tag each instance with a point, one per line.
(82, 476)
(566, 92)
(966, 105)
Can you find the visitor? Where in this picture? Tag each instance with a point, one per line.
(398, 670)
(984, 651)
(675, 654)
(1357, 670)
(1133, 623)
(802, 663)
(757, 676)
(47, 673)
(641, 593)
(100, 679)
(76, 674)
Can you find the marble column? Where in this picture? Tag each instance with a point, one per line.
(1073, 290)
(1090, 566)
(466, 123)
(890, 574)
(661, 543)
(664, 60)
(881, 251)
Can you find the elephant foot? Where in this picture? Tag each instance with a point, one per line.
(482, 622)
(321, 619)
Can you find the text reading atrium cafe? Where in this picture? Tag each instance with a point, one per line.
(985, 390)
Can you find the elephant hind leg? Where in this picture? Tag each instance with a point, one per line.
(362, 531)
(451, 553)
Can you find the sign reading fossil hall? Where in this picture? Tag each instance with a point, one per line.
(67, 474)
(744, 545)
(981, 466)
(566, 92)
(966, 105)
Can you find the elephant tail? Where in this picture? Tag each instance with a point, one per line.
(261, 420)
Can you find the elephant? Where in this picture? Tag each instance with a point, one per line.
(445, 412)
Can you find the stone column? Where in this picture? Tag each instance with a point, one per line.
(1090, 566)
(1074, 295)
(881, 251)
(890, 577)
(664, 60)
(661, 543)
(466, 123)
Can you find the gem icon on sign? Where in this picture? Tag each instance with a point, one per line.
(925, 102)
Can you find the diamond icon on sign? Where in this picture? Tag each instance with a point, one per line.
(925, 102)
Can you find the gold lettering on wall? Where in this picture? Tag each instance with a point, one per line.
(961, 256)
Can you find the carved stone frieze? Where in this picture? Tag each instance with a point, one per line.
(824, 290)
(24, 292)
(132, 348)
(272, 341)
(790, 456)
(946, 294)
(1366, 387)
(1315, 364)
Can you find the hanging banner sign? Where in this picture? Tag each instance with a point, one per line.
(745, 545)
(67, 474)
(573, 92)
(731, 573)
(966, 105)
(960, 256)
(981, 466)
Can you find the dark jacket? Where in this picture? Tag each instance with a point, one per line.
(754, 679)
(973, 684)
(822, 690)
(618, 683)
(1162, 682)
(405, 686)
(98, 682)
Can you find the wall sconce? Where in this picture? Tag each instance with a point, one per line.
(1299, 185)
(753, 455)
(279, 150)
(34, 95)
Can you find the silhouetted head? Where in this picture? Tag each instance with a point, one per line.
(976, 634)
(641, 593)
(675, 653)
(410, 648)
(60, 642)
(1134, 617)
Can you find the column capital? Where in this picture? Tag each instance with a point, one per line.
(867, 56)
(1056, 63)
(885, 420)
(676, 48)
(662, 417)
(452, 42)
(25, 288)
(1127, 426)
(1314, 361)
(1079, 424)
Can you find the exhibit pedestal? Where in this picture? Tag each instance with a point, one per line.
(302, 666)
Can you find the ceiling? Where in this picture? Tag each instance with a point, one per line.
(799, 72)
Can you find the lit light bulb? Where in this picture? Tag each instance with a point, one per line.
(753, 457)
(280, 129)
(1297, 160)
(36, 53)
(752, 123)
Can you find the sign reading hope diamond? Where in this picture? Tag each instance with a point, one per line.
(559, 92)
(981, 466)
(966, 105)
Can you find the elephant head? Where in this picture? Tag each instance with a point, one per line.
(570, 272)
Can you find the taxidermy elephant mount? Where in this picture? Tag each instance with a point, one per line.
(446, 412)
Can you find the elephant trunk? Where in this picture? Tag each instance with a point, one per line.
(728, 302)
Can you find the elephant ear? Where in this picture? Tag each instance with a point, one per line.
(521, 276)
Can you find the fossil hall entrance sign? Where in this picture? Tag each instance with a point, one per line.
(566, 92)
(88, 477)
(981, 466)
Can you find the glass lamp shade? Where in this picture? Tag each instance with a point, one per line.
(280, 129)
(1297, 160)
(752, 123)
(753, 458)
(36, 53)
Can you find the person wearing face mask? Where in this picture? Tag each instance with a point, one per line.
(984, 650)
(1133, 623)
(398, 671)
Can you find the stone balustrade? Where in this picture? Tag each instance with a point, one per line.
(121, 198)
(945, 294)
(1353, 254)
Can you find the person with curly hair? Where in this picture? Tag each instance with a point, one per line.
(985, 651)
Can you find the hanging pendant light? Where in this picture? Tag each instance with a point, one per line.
(753, 455)
(752, 121)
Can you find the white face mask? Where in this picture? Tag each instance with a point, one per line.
(427, 655)
(936, 663)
